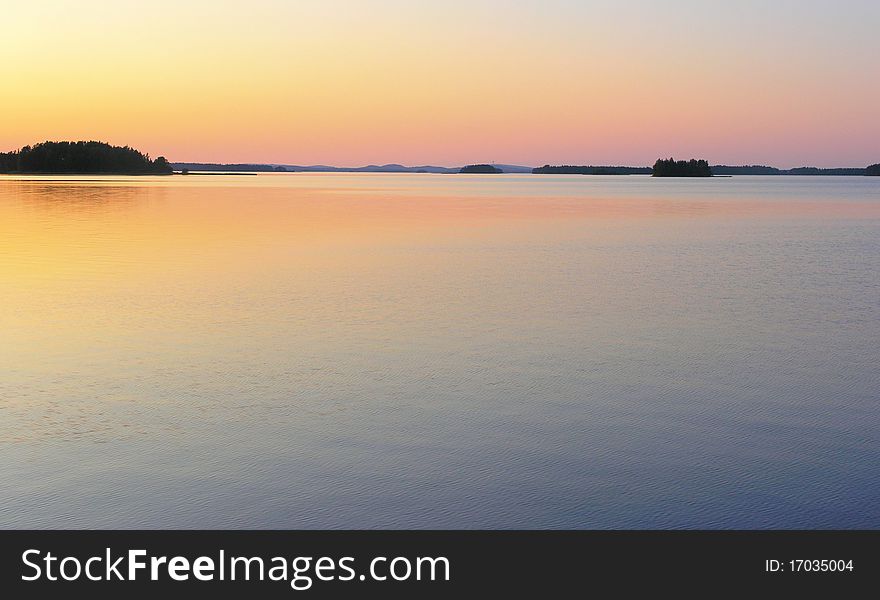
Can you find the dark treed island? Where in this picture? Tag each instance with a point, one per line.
(82, 158)
(590, 170)
(480, 169)
(765, 170)
(873, 170)
(681, 168)
(745, 170)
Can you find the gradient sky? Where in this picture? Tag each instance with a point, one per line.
(785, 82)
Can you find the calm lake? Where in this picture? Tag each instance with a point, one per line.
(439, 351)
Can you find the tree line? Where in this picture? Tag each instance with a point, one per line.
(82, 157)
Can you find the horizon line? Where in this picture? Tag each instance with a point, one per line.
(512, 164)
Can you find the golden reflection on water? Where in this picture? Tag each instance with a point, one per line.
(93, 228)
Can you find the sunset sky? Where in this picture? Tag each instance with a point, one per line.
(786, 83)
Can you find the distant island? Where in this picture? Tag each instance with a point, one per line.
(480, 169)
(590, 170)
(873, 170)
(82, 158)
(681, 168)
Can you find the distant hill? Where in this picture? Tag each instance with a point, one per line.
(484, 169)
(681, 168)
(392, 168)
(873, 170)
(260, 168)
(82, 158)
(389, 168)
(590, 170)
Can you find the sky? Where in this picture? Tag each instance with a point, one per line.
(346, 82)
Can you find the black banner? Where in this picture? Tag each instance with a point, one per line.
(407, 564)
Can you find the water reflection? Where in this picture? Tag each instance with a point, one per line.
(403, 351)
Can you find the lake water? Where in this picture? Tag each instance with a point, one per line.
(439, 351)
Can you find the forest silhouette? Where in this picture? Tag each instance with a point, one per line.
(681, 168)
(82, 158)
